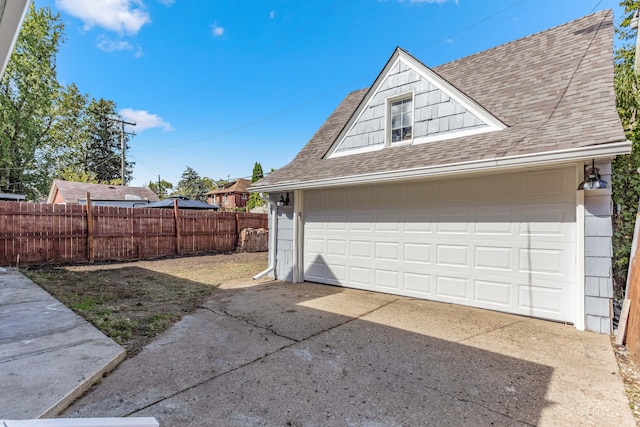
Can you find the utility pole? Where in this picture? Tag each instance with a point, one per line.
(122, 142)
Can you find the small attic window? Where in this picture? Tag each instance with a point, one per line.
(400, 119)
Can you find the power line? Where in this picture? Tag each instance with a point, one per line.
(316, 98)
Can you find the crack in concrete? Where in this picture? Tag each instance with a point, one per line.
(298, 341)
(488, 331)
(255, 360)
(53, 349)
(266, 328)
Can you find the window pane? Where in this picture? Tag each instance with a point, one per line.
(406, 119)
(395, 135)
(406, 105)
(395, 122)
(396, 108)
(406, 133)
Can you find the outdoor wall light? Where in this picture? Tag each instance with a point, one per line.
(592, 180)
(284, 201)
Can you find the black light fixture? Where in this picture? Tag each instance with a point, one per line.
(592, 180)
(284, 201)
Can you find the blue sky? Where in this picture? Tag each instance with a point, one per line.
(219, 85)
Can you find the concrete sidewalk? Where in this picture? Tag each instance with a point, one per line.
(49, 355)
(305, 354)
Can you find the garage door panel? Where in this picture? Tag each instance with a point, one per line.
(364, 196)
(387, 279)
(337, 247)
(452, 287)
(314, 247)
(360, 276)
(550, 261)
(417, 224)
(493, 188)
(417, 284)
(387, 251)
(316, 270)
(494, 224)
(451, 222)
(419, 253)
(540, 301)
(496, 248)
(360, 249)
(387, 195)
(548, 186)
(452, 255)
(337, 271)
(498, 294)
(493, 258)
(360, 223)
(337, 198)
(387, 223)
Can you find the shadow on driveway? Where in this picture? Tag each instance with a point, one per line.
(304, 354)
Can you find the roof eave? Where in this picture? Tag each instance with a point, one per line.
(503, 164)
(10, 21)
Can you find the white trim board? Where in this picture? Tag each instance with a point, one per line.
(476, 166)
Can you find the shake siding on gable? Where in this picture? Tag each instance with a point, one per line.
(435, 112)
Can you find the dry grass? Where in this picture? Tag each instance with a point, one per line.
(134, 302)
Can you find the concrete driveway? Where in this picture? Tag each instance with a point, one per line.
(280, 354)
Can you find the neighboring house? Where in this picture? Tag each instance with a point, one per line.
(460, 183)
(101, 194)
(230, 195)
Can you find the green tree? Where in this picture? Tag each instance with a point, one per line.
(254, 198)
(162, 188)
(626, 181)
(69, 149)
(28, 89)
(105, 133)
(84, 140)
(192, 185)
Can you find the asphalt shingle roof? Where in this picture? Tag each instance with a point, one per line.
(553, 90)
(71, 192)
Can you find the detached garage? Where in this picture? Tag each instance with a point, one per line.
(465, 183)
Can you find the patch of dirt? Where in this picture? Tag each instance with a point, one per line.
(133, 302)
(631, 377)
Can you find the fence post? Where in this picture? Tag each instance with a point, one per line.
(90, 242)
(176, 215)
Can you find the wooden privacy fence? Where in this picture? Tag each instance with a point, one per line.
(33, 233)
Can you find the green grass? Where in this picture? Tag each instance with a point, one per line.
(134, 302)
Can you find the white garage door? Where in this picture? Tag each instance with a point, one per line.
(502, 242)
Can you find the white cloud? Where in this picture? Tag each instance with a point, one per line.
(108, 45)
(144, 120)
(122, 16)
(272, 14)
(217, 30)
(113, 45)
(167, 2)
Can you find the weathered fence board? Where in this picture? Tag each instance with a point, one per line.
(633, 294)
(33, 233)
